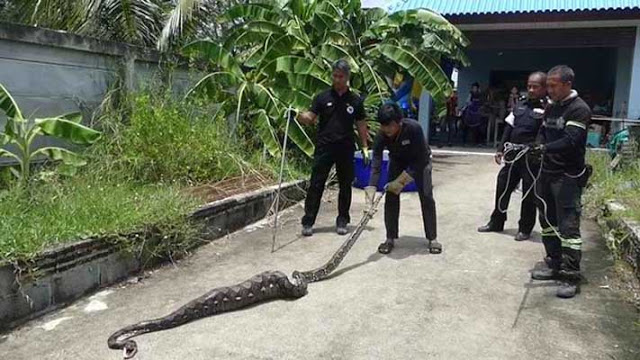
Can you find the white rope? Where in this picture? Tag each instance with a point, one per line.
(522, 151)
(277, 202)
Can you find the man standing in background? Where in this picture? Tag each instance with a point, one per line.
(338, 110)
(522, 127)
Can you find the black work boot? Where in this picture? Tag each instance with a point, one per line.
(545, 274)
(521, 236)
(341, 227)
(307, 230)
(491, 227)
(568, 289)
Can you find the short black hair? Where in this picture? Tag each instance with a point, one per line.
(342, 65)
(542, 75)
(389, 112)
(566, 73)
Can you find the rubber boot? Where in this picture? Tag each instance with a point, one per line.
(568, 289)
(491, 227)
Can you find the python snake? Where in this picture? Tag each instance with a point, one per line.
(268, 285)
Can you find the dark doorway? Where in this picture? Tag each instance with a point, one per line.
(504, 80)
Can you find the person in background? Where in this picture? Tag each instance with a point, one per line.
(473, 117)
(514, 97)
(338, 110)
(409, 160)
(522, 128)
(451, 119)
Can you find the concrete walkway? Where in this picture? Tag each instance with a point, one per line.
(474, 301)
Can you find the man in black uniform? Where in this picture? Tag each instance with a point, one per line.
(410, 159)
(522, 128)
(339, 110)
(562, 141)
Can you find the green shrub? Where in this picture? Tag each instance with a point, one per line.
(169, 140)
(622, 185)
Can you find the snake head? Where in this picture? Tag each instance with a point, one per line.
(129, 350)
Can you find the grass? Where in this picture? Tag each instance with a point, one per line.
(136, 178)
(62, 210)
(622, 185)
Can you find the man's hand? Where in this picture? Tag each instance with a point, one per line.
(399, 183)
(498, 157)
(369, 196)
(290, 114)
(307, 118)
(366, 159)
(537, 150)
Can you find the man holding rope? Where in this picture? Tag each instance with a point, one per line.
(338, 110)
(409, 160)
(561, 143)
(522, 127)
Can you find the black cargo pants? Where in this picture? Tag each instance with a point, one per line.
(560, 220)
(504, 188)
(425, 192)
(324, 158)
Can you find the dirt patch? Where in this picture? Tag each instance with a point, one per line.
(232, 186)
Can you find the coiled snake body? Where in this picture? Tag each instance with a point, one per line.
(268, 285)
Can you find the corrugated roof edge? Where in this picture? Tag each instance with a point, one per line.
(400, 5)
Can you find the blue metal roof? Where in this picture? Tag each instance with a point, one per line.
(478, 7)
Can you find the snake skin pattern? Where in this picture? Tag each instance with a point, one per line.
(268, 285)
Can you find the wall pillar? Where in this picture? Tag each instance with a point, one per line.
(624, 56)
(634, 91)
(424, 113)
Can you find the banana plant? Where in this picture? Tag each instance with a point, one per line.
(275, 54)
(21, 134)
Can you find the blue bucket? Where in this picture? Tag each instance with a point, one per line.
(364, 172)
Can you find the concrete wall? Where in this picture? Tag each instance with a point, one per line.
(50, 73)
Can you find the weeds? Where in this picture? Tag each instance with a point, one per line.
(61, 210)
(134, 183)
(621, 185)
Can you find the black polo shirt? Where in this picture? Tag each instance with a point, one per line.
(337, 117)
(408, 150)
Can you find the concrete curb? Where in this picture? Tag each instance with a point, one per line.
(68, 272)
(622, 233)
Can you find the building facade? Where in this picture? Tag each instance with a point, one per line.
(599, 39)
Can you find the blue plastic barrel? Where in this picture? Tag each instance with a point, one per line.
(364, 172)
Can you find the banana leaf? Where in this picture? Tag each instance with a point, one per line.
(9, 105)
(68, 130)
(215, 54)
(253, 11)
(59, 154)
(267, 134)
(423, 69)
(299, 136)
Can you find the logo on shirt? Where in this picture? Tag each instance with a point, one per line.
(406, 142)
(329, 104)
(538, 111)
(555, 123)
(350, 109)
